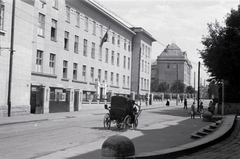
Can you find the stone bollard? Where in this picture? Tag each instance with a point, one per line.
(207, 116)
(117, 146)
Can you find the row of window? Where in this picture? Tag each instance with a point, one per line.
(52, 66)
(94, 26)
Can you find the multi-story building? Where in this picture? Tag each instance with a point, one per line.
(68, 53)
(172, 65)
(141, 62)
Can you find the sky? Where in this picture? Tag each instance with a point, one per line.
(183, 22)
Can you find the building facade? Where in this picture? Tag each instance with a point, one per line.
(63, 59)
(172, 65)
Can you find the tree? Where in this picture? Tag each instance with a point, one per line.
(154, 86)
(221, 53)
(190, 90)
(178, 86)
(162, 87)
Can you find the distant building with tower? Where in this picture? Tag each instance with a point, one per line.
(172, 65)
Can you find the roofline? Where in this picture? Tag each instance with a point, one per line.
(140, 29)
(109, 15)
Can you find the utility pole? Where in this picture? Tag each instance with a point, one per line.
(11, 59)
(194, 87)
(177, 85)
(139, 65)
(198, 95)
(222, 97)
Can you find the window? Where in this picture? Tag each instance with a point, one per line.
(1, 16)
(78, 19)
(94, 28)
(76, 43)
(125, 44)
(118, 42)
(124, 81)
(65, 68)
(106, 76)
(52, 63)
(54, 30)
(106, 57)
(93, 50)
(129, 46)
(128, 81)
(85, 47)
(92, 74)
(112, 78)
(146, 51)
(112, 59)
(66, 40)
(86, 23)
(75, 67)
(55, 4)
(100, 53)
(84, 68)
(117, 79)
(129, 63)
(118, 59)
(141, 83)
(148, 67)
(142, 49)
(41, 24)
(113, 38)
(149, 52)
(145, 66)
(99, 74)
(39, 61)
(124, 62)
(67, 14)
(142, 66)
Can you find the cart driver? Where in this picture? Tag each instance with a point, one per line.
(131, 107)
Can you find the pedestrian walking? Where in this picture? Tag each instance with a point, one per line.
(193, 111)
(201, 109)
(168, 102)
(146, 101)
(210, 107)
(185, 104)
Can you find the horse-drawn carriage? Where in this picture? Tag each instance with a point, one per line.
(123, 111)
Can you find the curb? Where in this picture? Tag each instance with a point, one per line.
(223, 131)
(20, 122)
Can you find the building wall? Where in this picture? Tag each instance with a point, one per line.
(141, 62)
(21, 68)
(48, 46)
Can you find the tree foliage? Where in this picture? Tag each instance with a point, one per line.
(178, 86)
(221, 53)
(154, 86)
(162, 87)
(190, 89)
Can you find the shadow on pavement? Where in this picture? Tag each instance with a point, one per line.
(149, 140)
(174, 112)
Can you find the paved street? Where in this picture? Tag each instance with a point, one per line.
(81, 134)
(226, 149)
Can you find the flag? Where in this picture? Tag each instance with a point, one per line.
(105, 37)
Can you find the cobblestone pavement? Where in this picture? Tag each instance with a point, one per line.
(229, 148)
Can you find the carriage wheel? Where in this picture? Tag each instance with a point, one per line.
(107, 121)
(126, 123)
(135, 124)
